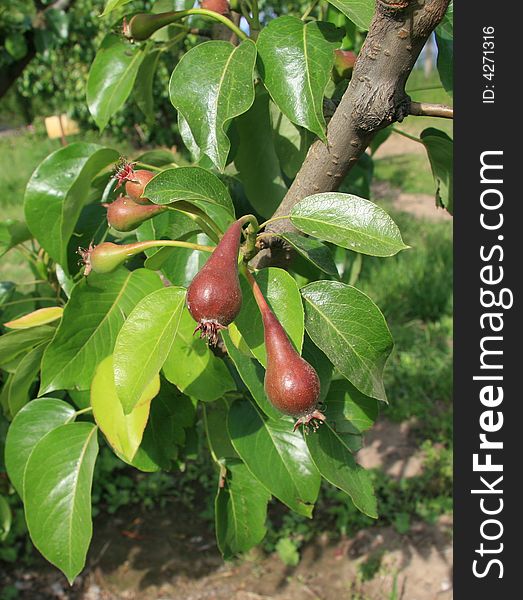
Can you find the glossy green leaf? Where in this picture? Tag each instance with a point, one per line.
(440, 150)
(112, 76)
(360, 12)
(23, 378)
(123, 432)
(445, 41)
(143, 89)
(144, 343)
(275, 455)
(12, 233)
(92, 319)
(350, 222)
(240, 511)
(349, 410)
(283, 296)
(256, 158)
(30, 425)
(192, 366)
(252, 375)
(196, 186)
(159, 157)
(350, 329)
(42, 316)
(335, 462)
(57, 192)
(212, 84)
(295, 62)
(17, 343)
(314, 251)
(58, 480)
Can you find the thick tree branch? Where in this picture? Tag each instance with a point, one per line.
(423, 109)
(374, 99)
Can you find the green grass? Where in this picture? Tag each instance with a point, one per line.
(410, 173)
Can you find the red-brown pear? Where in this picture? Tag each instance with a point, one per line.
(214, 296)
(135, 185)
(124, 214)
(291, 383)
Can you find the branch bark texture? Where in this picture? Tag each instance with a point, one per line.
(374, 99)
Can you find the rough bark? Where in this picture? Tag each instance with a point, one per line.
(374, 99)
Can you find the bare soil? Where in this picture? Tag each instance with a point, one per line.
(172, 555)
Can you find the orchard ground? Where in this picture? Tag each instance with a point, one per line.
(153, 534)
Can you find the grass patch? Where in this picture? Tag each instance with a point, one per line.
(410, 173)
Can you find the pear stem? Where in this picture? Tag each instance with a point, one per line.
(141, 246)
(142, 26)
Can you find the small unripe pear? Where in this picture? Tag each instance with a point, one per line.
(214, 297)
(124, 214)
(105, 257)
(291, 383)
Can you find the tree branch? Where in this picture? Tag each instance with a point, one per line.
(423, 109)
(374, 99)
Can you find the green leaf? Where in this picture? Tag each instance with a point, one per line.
(123, 432)
(42, 316)
(23, 378)
(290, 142)
(218, 438)
(212, 84)
(30, 425)
(322, 365)
(360, 12)
(349, 410)
(350, 222)
(314, 251)
(275, 455)
(111, 5)
(295, 62)
(6, 519)
(252, 375)
(196, 186)
(240, 511)
(172, 413)
(181, 266)
(283, 296)
(445, 41)
(193, 368)
(336, 463)
(143, 89)
(144, 343)
(57, 192)
(16, 343)
(112, 76)
(12, 233)
(440, 150)
(256, 158)
(92, 319)
(350, 329)
(58, 480)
